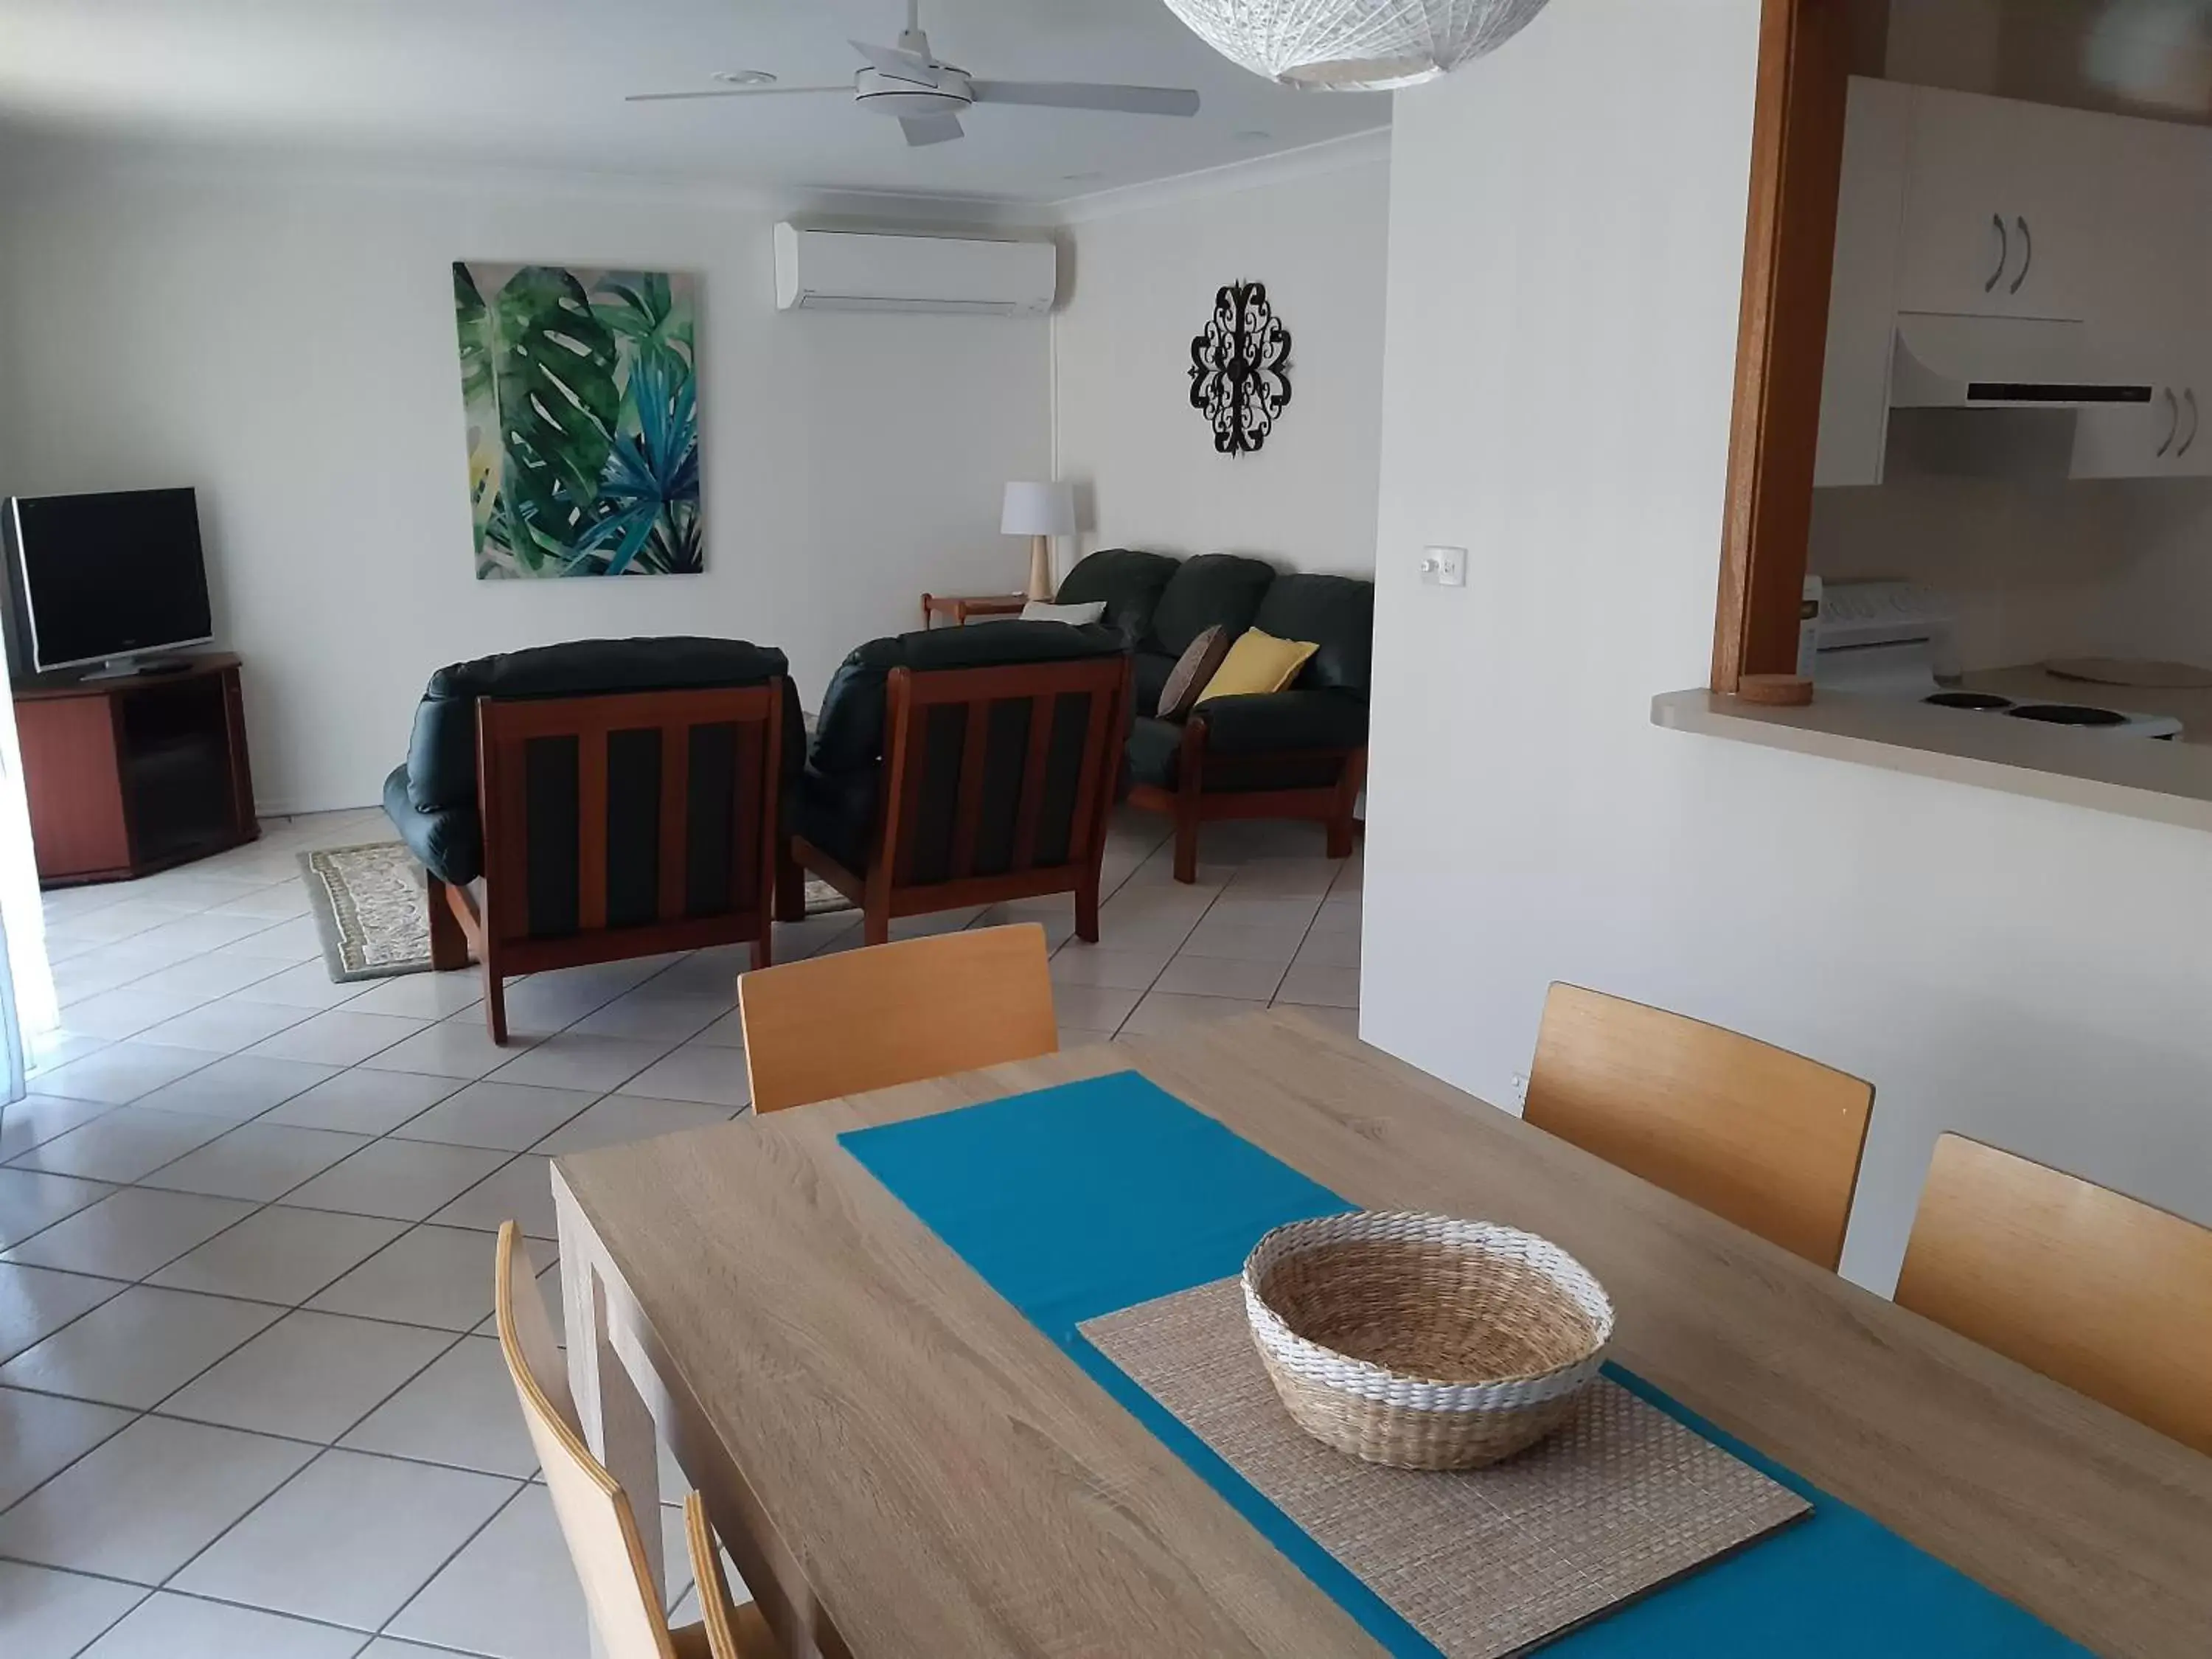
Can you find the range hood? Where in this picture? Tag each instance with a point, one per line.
(2003, 363)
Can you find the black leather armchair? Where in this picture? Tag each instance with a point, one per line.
(593, 740)
(904, 810)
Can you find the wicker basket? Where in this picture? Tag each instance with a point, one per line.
(1421, 1342)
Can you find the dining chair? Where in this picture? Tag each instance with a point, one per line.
(731, 1632)
(594, 1512)
(1765, 1138)
(2108, 1294)
(863, 1019)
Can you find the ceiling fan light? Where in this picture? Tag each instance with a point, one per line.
(1353, 45)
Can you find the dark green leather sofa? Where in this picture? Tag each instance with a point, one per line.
(1299, 753)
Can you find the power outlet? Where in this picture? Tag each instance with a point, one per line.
(1444, 567)
(1520, 1089)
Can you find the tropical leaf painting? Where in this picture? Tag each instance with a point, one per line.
(582, 405)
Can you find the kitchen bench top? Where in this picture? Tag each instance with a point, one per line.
(2136, 777)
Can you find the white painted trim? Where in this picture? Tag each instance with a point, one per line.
(1330, 155)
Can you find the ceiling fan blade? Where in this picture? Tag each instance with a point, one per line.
(921, 129)
(1080, 95)
(723, 92)
(897, 64)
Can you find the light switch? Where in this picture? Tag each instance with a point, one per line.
(1444, 566)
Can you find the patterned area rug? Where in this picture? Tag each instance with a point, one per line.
(373, 911)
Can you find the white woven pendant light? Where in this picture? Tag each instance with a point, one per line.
(1353, 45)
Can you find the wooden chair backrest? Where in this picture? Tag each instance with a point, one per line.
(864, 1020)
(732, 1631)
(1061, 763)
(2103, 1292)
(1765, 1138)
(593, 1510)
(670, 879)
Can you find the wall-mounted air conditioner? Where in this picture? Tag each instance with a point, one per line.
(868, 271)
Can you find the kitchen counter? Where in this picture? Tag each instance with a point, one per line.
(2138, 777)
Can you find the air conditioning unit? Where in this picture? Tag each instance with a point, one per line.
(869, 271)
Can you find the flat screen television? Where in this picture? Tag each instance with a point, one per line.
(103, 578)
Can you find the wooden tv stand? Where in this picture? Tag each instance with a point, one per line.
(130, 775)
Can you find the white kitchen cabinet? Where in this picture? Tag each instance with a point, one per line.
(2191, 454)
(2163, 439)
(2147, 302)
(2154, 186)
(2119, 237)
(2005, 214)
(2136, 440)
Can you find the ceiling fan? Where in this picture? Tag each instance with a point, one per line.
(927, 95)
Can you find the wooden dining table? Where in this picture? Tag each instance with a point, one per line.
(900, 1464)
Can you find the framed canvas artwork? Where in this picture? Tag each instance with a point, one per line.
(582, 406)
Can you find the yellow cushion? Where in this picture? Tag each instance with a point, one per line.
(1257, 663)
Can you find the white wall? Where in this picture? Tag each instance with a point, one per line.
(1143, 279)
(2163, 605)
(282, 338)
(2033, 569)
(1566, 235)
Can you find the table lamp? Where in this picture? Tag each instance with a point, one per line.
(1039, 511)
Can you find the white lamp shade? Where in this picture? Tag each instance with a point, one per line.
(1038, 509)
(1353, 45)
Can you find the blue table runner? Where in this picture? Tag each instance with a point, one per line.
(1080, 1200)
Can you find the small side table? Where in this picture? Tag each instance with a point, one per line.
(961, 606)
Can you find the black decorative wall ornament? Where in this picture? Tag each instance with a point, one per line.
(1240, 368)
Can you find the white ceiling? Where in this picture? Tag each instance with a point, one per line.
(540, 82)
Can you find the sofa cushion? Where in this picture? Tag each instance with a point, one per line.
(1256, 665)
(445, 841)
(1213, 589)
(848, 734)
(441, 759)
(1153, 669)
(1337, 613)
(1284, 721)
(1153, 753)
(1194, 672)
(1128, 581)
(1078, 616)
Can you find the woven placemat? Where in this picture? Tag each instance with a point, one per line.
(1484, 1563)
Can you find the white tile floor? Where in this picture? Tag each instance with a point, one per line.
(248, 1408)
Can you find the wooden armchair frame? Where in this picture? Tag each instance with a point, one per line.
(888, 889)
(1190, 805)
(494, 923)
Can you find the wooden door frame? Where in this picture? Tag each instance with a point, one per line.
(1806, 52)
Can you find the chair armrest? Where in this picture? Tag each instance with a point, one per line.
(1275, 722)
